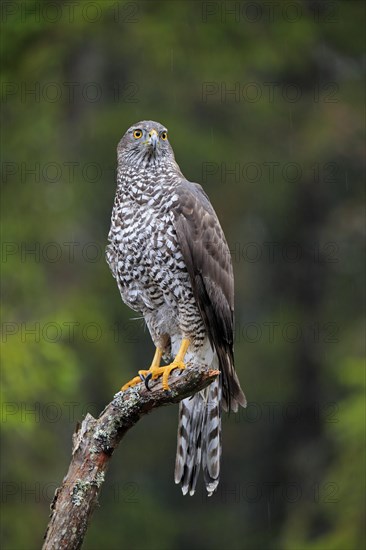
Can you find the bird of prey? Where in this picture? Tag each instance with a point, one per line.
(172, 264)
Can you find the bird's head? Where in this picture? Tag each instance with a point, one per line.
(145, 142)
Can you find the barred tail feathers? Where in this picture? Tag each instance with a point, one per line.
(199, 439)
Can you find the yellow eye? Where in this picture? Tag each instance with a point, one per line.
(164, 135)
(137, 134)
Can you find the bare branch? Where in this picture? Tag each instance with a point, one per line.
(94, 442)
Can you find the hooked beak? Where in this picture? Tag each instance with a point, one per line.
(153, 139)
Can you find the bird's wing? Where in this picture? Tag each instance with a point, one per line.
(208, 261)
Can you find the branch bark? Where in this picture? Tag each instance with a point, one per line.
(94, 442)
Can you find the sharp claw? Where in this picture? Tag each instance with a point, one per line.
(142, 377)
(147, 380)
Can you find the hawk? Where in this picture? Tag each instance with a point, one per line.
(172, 264)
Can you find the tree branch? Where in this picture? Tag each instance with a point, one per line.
(94, 442)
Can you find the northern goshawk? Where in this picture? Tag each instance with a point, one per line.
(172, 264)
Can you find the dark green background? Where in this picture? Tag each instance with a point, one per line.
(292, 212)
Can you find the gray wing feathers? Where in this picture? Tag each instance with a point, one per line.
(207, 258)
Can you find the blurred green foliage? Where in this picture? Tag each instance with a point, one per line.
(273, 91)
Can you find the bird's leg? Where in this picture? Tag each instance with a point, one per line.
(145, 375)
(178, 363)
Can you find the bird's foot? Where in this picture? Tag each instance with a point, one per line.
(153, 374)
(178, 363)
(155, 370)
(136, 380)
(145, 375)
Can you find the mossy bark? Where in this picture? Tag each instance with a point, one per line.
(94, 442)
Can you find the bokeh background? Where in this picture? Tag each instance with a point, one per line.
(264, 104)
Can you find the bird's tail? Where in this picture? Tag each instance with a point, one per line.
(199, 439)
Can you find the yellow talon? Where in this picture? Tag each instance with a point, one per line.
(131, 383)
(154, 365)
(155, 370)
(168, 369)
(178, 363)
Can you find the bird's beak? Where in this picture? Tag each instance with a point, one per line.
(153, 139)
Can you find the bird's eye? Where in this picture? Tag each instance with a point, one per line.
(164, 136)
(137, 134)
